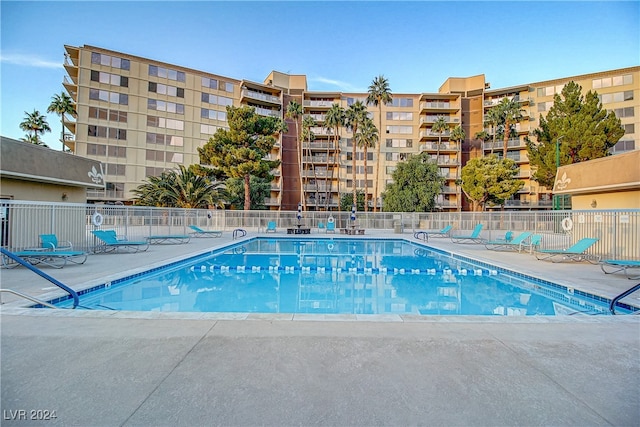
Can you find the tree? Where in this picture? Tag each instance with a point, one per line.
(510, 114)
(416, 184)
(457, 135)
(240, 151)
(489, 180)
(492, 120)
(585, 130)
(440, 126)
(35, 124)
(307, 135)
(182, 188)
(62, 104)
(354, 117)
(334, 119)
(259, 189)
(379, 94)
(294, 112)
(366, 138)
(346, 201)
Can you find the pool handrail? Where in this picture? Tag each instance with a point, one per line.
(74, 294)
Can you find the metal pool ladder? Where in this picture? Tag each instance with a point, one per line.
(42, 274)
(612, 306)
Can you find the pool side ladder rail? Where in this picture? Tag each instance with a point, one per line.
(42, 274)
(614, 302)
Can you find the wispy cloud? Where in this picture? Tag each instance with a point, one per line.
(336, 84)
(28, 61)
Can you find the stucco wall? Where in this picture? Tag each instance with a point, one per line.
(30, 190)
(616, 200)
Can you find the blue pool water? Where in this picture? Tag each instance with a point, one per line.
(359, 276)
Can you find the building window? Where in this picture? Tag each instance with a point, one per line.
(162, 122)
(166, 73)
(114, 151)
(624, 112)
(629, 128)
(112, 97)
(96, 150)
(213, 114)
(166, 89)
(152, 171)
(402, 102)
(169, 107)
(397, 115)
(209, 83)
(110, 61)
(113, 169)
(400, 129)
(155, 155)
(110, 79)
(399, 143)
(105, 132)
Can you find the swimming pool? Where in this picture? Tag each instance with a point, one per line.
(336, 276)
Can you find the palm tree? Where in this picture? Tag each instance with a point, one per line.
(493, 119)
(458, 135)
(334, 119)
(511, 114)
(34, 124)
(307, 134)
(182, 188)
(62, 104)
(294, 112)
(366, 138)
(33, 139)
(354, 116)
(440, 126)
(379, 94)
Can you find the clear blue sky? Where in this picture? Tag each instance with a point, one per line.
(339, 46)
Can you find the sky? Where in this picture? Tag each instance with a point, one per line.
(338, 45)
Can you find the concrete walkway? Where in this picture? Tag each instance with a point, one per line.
(151, 369)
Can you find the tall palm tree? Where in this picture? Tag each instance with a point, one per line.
(366, 138)
(334, 119)
(294, 112)
(307, 134)
(511, 114)
(35, 124)
(379, 94)
(493, 119)
(440, 126)
(355, 115)
(458, 135)
(62, 104)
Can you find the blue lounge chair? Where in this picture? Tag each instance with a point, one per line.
(617, 265)
(52, 258)
(199, 232)
(474, 237)
(271, 227)
(424, 234)
(50, 241)
(574, 253)
(532, 244)
(331, 227)
(169, 238)
(109, 242)
(509, 245)
(321, 226)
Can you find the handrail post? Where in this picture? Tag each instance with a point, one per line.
(41, 273)
(612, 306)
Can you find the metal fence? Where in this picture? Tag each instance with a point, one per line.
(22, 222)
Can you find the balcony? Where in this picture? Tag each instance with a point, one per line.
(321, 131)
(318, 117)
(498, 145)
(488, 103)
(425, 120)
(263, 97)
(526, 204)
(266, 112)
(318, 145)
(318, 103)
(431, 134)
(445, 146)
(272, 201)
(450, 189)
(105, 194)
(319, 159)
(318, 174)
(439, 106)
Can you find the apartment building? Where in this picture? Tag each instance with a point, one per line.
(140, 117)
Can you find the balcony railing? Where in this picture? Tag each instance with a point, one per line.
(444, 105)
(442, 147)
(499, 144)
(261, 96)
(322, 104)
(430, 133)
(318, 159)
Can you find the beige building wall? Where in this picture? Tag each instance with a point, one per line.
(160, 139)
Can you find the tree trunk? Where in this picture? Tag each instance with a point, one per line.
(378, 161)
(507, 131)
(366, 188)
(353, 161)
(247, 192)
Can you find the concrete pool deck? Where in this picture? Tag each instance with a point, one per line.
(111, 368)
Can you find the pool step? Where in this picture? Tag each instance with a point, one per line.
(356, 270)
